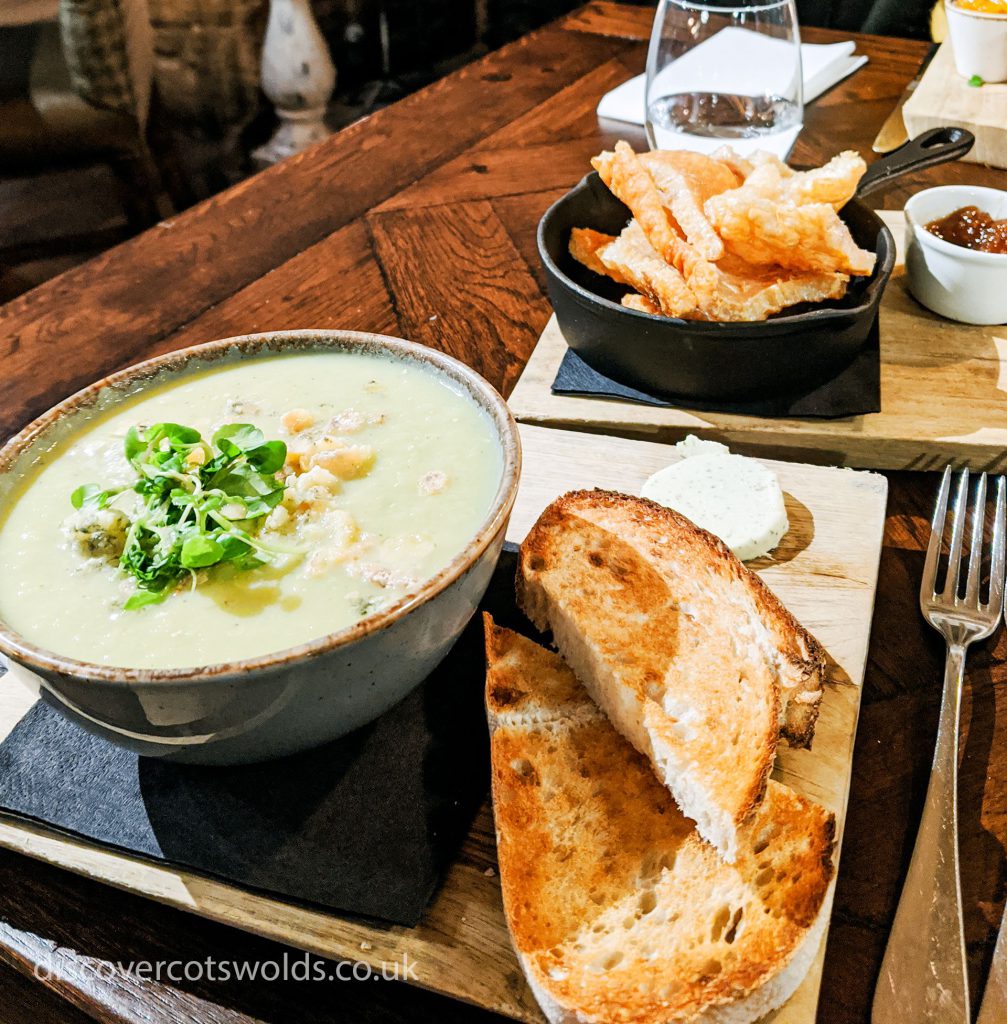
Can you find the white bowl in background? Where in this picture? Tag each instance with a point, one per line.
(978, 42)
(961, 284)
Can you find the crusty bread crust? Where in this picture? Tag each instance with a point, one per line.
(693, 658)
(617, 910)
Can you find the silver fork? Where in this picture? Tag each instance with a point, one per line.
(923, 975)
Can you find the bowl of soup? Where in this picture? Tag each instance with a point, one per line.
(252, 547)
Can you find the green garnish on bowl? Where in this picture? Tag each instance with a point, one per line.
(976, 81)
(202, 504)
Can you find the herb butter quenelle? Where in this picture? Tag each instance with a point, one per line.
(246, 510)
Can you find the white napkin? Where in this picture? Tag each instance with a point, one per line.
(823, 66)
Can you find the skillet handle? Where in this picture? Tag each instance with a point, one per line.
(933, 147)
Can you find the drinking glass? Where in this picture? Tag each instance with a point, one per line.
(722, 72)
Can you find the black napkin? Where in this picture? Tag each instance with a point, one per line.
(852, 392)
(364, 825)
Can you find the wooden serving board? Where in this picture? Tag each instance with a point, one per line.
(943, 398)
(943, 97)
(825, 570)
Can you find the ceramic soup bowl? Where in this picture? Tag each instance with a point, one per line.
(272, 705)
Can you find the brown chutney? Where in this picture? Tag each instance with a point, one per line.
(971, 228)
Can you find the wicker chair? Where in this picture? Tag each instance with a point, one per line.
(45, 124)
(134, 76)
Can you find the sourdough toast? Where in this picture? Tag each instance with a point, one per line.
(618, 911)
(692, 657)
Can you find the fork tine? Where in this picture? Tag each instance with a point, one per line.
(976, 550)
(928, 585)
(999, 546)
(957, 533)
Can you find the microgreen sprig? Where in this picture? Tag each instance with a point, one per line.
(202, 504)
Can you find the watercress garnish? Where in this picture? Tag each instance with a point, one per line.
(92, 496)
(202, 503)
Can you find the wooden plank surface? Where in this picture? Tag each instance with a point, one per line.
(825, 571)
(289, 249)
(943, 97)
(943, 398)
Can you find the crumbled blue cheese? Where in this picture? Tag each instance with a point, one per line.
(97, 533)
(736, 498)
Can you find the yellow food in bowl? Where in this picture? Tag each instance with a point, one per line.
(982, 6)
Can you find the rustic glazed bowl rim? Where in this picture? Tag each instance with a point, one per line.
(875, 285)
(265, 345)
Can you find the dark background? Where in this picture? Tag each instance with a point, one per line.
(426, 38)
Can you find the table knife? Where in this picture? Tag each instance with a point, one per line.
(994, 1006)
(893, 132)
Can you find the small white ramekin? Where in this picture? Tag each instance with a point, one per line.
(978, 42)
(961, 284)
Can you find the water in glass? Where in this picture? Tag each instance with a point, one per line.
(719, 73)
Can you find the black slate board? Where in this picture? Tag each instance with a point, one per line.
(365, 825)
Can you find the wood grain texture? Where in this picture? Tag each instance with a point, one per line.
(824, 570)
(24, 999)
(618, 21)
(520, 216)
(944, 97)
(512, 160)
(482, 289)
(253, 251)
(335, 283)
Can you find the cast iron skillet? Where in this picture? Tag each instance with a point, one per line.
(795, 350)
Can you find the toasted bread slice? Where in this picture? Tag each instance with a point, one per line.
(617, 909)
(692, 657)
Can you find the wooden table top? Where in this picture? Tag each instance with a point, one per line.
(420, 221)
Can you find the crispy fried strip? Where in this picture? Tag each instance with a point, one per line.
(748, 293)
(585, 244)
(699, 231)
(633, 257)
(760, 158)
(779, 237)
(704, 171)
(741, 167)
(685, 181)
(766, 231)
(630, 181)
(834, 183)
(588, 246)
(640, 303)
